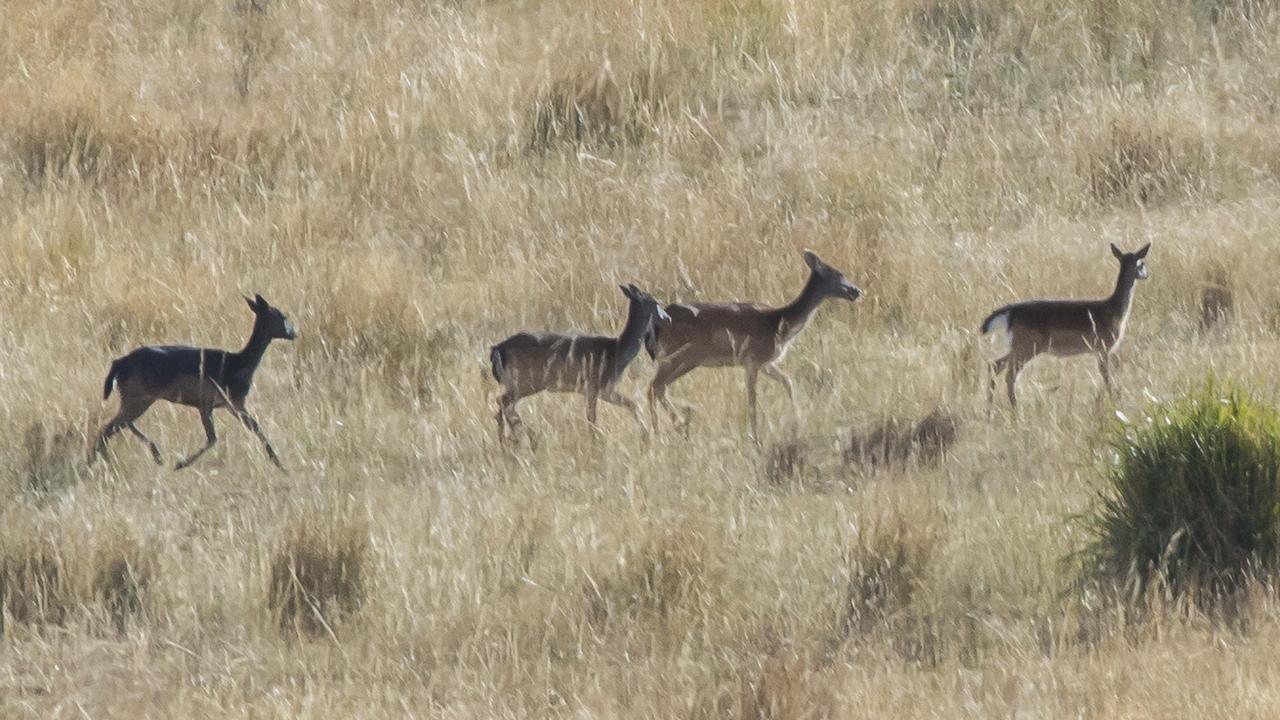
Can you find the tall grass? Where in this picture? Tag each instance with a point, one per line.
(413, 181)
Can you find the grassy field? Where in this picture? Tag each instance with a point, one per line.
(412, 181)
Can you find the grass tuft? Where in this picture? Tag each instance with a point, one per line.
(1192, 503)
(319, 576)
(893, 442)
(34, 588)
(1133, 162)
(52, 461)
(124, 570)
(670, 569)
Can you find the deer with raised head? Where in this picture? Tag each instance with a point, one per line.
(1066, 327)
(744, 335)
(202, 378)
(528, 363)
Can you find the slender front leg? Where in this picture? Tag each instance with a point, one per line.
(753, 376)
(593, 398)
(256, 429)
(210, 435)
(612, 397)
(1104, 367)
(775, 374)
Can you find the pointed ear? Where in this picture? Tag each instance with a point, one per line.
(1116, 251)
(252, 305)
(262, 304)
(811, 259)
(626, 291)
(1143, 252)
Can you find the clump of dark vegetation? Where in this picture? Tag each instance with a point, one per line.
(46, 574)
(1133, 162)
(1192, 504)
(947, 23)
(123, 574)
(1217, 301)
(894, 442)
(599, 106)
(319, 576)
(788, 465)
(34, 589)
(51, 461)
(671, 569)
(883, 573)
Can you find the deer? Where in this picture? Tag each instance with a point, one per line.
(1066, 327)
(202, 378)
(746, 335)
(528, 363)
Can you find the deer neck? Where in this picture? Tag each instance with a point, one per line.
(1122, 298)
(632, 337)
(796, 314)
(255, 348)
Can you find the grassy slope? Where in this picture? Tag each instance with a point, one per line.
(387, 174)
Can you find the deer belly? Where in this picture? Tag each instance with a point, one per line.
(719, 349)
(192, 391)
(1066, 345)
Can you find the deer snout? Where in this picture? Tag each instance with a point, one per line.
(851, 292)
(290, 332)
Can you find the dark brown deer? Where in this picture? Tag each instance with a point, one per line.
(202, 378)
(1066, 327)
(529, 363)
(744, 335)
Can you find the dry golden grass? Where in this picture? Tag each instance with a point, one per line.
(413, 181)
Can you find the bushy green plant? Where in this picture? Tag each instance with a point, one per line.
(1192, 500)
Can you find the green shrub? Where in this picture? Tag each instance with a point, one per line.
(1192, 502)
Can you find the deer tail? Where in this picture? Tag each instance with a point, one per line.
(111, 379)
(997, 321)
(495, 362)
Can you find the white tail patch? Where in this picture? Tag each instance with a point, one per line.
(998, 325)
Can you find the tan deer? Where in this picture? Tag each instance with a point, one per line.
(1066, 327)
(529, 363)
(738, 335)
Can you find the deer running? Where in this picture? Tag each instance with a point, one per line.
(738, 335)
(1066, 327)
(528, 363)
(202, 378)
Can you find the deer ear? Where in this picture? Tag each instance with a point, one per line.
(626, 290)
(252, 305)
(811, 259)
(1116, 251)
(1143, 252)
(262, 304)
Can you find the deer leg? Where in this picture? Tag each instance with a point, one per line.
(612, 397)
(771, 371)
(753, 377)
(210, 435)
(995, 368)
(666, 375)
(1104, 367)
(1015, 365)
(155, 449)
(130, 410)
(256, 429)
(593, 398)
